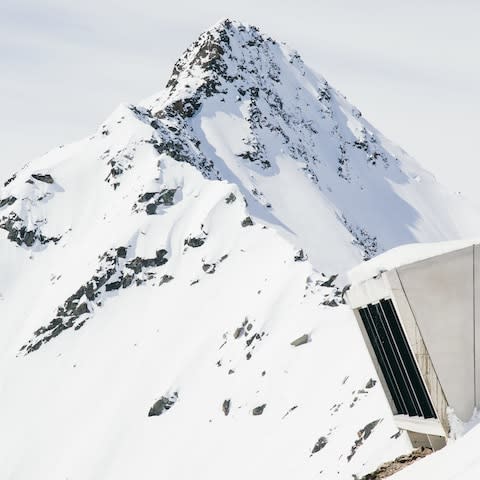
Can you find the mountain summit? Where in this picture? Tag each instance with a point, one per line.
(171, 288)
(258, 117)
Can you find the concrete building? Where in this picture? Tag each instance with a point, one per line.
(418, 307)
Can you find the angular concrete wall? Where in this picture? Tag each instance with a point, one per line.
(476, 306)
(440, 293)
(418, 347)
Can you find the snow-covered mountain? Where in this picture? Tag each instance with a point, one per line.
(155, 275)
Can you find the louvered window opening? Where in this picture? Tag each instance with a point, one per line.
(396, 360)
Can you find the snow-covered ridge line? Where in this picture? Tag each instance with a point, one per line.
(115, 271)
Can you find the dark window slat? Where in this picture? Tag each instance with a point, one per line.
(396, 360)
(382, 360)
(420, 389)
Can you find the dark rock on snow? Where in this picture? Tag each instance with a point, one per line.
(194, 242)
(259, 410)
(226, 407)
(46, 178)
(238, 332)
(371, 383)
(209, 268)
(247, 222)
(231, 198)
(162, 405)
(321, 443)
(125, 273)
(7, 201)
(363, 434)
(300, 256)
(165, 279)
(151, 209)
(301, 340)
(329, 282)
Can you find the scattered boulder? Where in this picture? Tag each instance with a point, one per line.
(363, 434)
(329, 282)
(162, 405)
(160, 257)
(300, 256)
(138, 263)
(194, 242)
(396, 435)
(230, 199)
(10, 180)
(371, 383)
(20, 234)
(164, 197)
(238, 332)
(301, 340)
(145, 197)
(226, 407)
(8, 201)
(209, 268)
(321, 443)
(151, 209)
(330, 303)
(247, 222)
(255, 336)
(165, 279)
(46, 178)
(259, 410)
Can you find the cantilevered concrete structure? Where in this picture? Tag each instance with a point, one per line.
(418, 307)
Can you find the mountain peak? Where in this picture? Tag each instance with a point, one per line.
(220, 50)
(230, 57)
(233, 29)
(230, 25)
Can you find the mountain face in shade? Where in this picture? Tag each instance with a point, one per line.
(171, 287)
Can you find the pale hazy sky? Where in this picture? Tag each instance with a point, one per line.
(412, 67)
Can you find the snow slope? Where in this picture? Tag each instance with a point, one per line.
(166, 263)
(459, 460)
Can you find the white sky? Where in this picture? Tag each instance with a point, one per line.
(413, 68)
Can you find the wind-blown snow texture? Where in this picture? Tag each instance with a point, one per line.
(154, 276)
